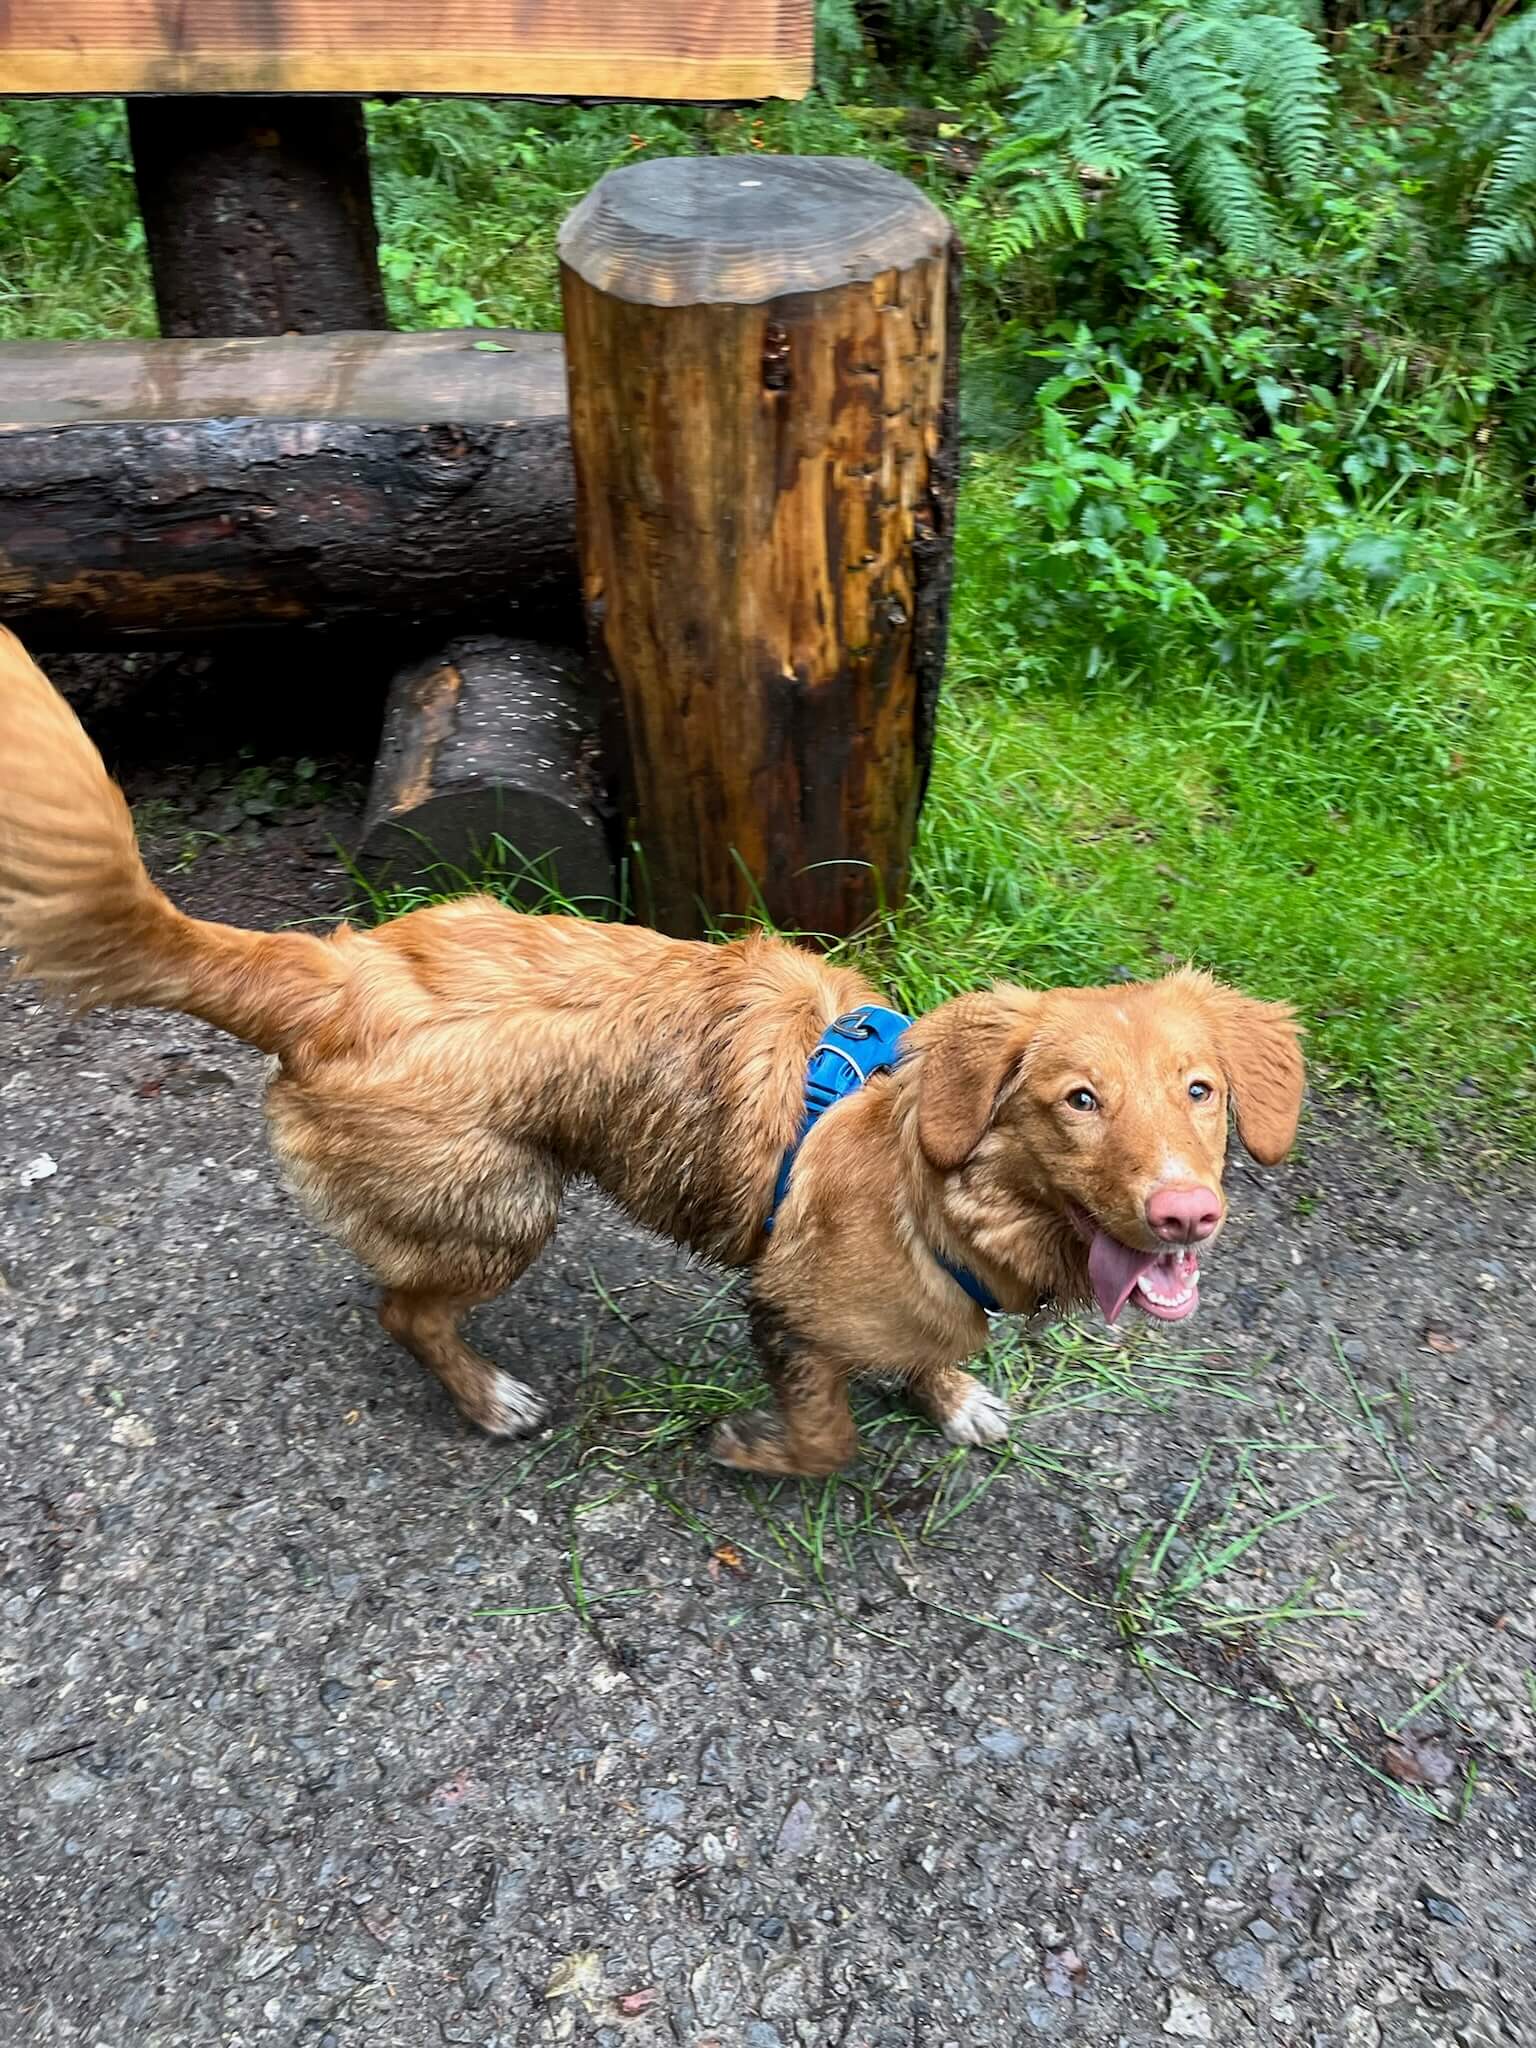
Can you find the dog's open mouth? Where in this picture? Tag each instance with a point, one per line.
(1163, 1284)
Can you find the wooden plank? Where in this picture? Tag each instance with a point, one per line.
(498, 377)
(625, 49)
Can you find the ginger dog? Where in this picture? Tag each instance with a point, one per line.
(440, 1080)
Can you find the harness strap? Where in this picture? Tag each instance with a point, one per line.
(851, 1051)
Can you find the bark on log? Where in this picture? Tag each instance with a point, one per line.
(491, 738)
(258, 214)
(164, 493)
(762, 356)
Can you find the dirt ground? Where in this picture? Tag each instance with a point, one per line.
(324, 1721)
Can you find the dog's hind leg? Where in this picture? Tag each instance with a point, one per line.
(426, 1321)
(445, 1215)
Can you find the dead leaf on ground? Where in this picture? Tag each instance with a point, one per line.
(728, 1557)
(577, 1976)
(1414, 1761)
(1064, 1972)
(1441, 1341)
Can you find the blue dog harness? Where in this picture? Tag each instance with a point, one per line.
(850, 1052)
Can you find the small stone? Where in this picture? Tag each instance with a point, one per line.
(1442, 1909)
(1166, 1960)
(1448, 1977)
(797, 1833)
(480, 1980)
(771, 1929)
(466, 1567)
(68, 1788)
(1003, 1744)
(1354, 1349)
(133, 1431)
(262, 1954)
(1188, 2018)
(1241, 1966)
(907, 1746)
(334, 1694)
(1042, 2015)
(1263, 1930)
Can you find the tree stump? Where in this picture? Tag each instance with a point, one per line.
(490, 739)
(258, 214)
(762, 355)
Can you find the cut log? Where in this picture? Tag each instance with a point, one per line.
(490, 740)
(258, 214)
(762, 357)
(164, 493)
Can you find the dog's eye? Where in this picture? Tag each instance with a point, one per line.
(1083, 1099)
(1200, 1091)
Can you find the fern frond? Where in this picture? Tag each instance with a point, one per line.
(1291, 84)
(1229, 201)
(1045, 205)
(1508, 240)
(1203, 109)
(1514, 168)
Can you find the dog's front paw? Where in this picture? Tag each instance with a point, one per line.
(750, 1442)
(980, 1417)
(761, 1443)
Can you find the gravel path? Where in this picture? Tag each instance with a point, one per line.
(815, 1768)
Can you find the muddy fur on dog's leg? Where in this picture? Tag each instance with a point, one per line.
(966, 1411)
(813, 1432)
(428, 1326)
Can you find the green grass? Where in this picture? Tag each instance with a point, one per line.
(1365, 848)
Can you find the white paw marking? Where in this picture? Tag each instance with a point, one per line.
(981, 1418)
(511, 1409)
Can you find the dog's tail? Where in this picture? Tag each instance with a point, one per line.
(79, 908)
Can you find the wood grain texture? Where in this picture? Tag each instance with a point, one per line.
(258, 214)
(489, 375)
(732, 231)
(491, 737)
(765, 512)
(625, 49)
(169, 492)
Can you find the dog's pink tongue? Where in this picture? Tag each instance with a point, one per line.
(1114, 1270)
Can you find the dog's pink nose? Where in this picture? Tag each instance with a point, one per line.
(1184, 1215)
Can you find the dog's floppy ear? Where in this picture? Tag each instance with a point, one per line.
(971, 1049)
(1259, 1045)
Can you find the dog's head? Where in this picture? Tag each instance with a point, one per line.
(1107, 1109)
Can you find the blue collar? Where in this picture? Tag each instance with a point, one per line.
(850, 1052)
